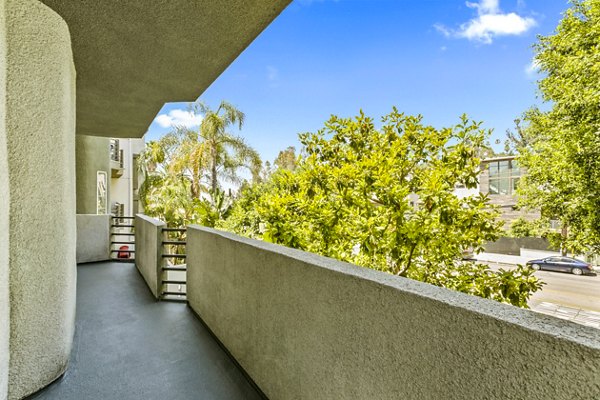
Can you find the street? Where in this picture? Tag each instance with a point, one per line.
(566, 296)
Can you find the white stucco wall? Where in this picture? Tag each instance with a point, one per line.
(4, 199)
(40, 122)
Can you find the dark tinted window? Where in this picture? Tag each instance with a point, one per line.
(570, 260)
(503, 177)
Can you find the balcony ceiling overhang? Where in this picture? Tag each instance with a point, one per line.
(133, 56)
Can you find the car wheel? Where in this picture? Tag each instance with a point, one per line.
(577, 271)
(536, 267)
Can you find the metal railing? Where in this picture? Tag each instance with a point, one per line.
(173, 276)
(122, 239)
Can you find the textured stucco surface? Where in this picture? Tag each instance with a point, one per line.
(4, 207)
(41, 167)
(93, 237)
(308, 327)
(132, 56)
(93, 155)
(148, 249)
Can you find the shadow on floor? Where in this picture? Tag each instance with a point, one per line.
(129, 346)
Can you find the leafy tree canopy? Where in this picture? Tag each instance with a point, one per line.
(384, 199)
(561, 146)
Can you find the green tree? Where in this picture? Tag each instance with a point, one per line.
(224, 152)
(384, 199)
(184, 168)
(287, 159)
(562, 154)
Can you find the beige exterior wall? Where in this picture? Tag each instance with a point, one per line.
(4, 211)
(40, 123)
(92, 156)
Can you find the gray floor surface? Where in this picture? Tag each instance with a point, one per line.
(129, 346)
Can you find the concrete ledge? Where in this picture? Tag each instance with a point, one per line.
(309, 327)
(148, 243)
(93, 238)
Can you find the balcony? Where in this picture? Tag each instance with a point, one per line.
(117, 166)
(128, 346)
(304, 326)
(300, 325)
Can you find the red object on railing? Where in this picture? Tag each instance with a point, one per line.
(123, 254)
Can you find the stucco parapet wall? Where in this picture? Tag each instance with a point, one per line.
(148, 248)
(342, 331)
(93, 237)
(150, 220)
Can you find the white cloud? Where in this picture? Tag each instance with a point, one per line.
(443, 30)
(490, 22)
(177, 118)
(486, 27)
(486, 6)
(532, 68)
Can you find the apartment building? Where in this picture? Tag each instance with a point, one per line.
(499, 179)
(124, 176)
(107, 175)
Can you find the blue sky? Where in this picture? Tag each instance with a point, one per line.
(438, 58)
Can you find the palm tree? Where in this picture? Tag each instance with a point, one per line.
(185, 164)
(224, 152)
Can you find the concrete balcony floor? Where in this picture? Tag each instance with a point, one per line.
(129, 346)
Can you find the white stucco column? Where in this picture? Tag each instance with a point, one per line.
(40, 144)
(4, 307)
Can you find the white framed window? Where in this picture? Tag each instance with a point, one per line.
(101, 192)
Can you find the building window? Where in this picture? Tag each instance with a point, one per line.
(101, 192)
(504, 177)
(114, 149)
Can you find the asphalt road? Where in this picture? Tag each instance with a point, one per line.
(569, 290)
(567, 296)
